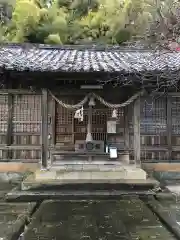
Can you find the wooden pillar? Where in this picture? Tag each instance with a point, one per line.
(44, 129)
(126, 135)
(89, 137)
(169, 127)
(9, 125)
(136, 124)
(52, 121)
(126, 128)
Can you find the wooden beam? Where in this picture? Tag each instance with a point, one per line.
(20, 147)
(137, 140)
(169, 126)
(173, 94)
(18, 91)
(44, 129)
(9, 125)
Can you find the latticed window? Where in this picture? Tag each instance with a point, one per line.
(153, 128)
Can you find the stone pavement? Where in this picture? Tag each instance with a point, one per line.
(126, 219)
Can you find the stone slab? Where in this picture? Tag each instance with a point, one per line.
(174, 189)
(88, 167)
(85, 162)
(31, 183)
(128, 172)
(135, 173)
(44, 175)
(41, 195)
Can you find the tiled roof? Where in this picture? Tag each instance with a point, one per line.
(74, 59)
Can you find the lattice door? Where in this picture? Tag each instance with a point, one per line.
(68, 129)
(64, 125)
(27, 125)
(153, 128)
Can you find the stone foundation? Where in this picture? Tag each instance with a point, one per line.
(115, 175)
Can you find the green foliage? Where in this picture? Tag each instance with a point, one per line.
(64, 3)
(25, 18)
(82, 7)
(86, 21)
(53, 39)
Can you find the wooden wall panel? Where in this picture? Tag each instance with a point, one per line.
(26, 127)
(3, 118)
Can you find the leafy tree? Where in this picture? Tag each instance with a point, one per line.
(87, 21)
(52, 25)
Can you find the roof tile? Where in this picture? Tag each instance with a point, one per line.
(86, 60)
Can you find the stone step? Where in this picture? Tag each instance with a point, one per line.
(77, 162)
(87, 167)
(47, 179)
(69, 175)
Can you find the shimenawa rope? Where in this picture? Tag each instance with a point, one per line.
(109, 105)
